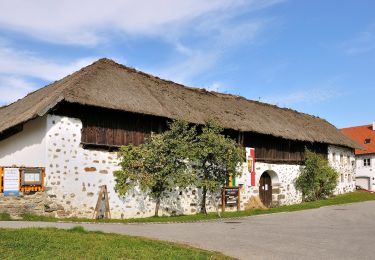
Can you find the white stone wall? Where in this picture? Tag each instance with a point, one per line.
(26, 148)
(74, 176)
(365, 172)
(283, 177)
(342, 160)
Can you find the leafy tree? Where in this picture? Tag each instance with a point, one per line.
(215, 158)
(318, 179)
(158, 165)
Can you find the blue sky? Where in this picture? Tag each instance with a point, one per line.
(317, 57)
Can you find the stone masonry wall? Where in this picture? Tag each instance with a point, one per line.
(282, 176)
(74, 176)
(37, 204)
(341, 159)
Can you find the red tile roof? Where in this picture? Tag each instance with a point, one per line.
(360, 134)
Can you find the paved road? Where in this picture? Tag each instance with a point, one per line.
(336, 232)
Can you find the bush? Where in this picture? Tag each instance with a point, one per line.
(318, 179)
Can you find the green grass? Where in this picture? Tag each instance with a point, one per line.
(77, 243)
(5, 216)
(357, 196)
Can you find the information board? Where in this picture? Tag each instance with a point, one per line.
(230, 197)
(30, 176)
(11, 181)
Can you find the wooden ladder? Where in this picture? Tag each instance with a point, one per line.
(103, 197)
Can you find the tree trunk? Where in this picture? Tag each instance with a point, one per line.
(157, 206)
(204, 194)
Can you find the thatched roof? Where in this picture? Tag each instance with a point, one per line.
(111, 85)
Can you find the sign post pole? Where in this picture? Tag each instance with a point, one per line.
(223, 200)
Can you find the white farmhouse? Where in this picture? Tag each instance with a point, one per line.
(72, 129)
(365, 157)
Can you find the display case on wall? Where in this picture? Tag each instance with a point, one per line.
(31, 179)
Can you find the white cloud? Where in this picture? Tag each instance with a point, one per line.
(82, 22)
(91, 22)
(13, 88)
(215, 36)
(28, 64)
(308, 95)
(364, 42)
(19, 69)
(186, 68)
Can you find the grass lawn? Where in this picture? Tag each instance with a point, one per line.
(76, 243)
(357, 196)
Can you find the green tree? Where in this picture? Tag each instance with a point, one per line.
(215, 158)
(318, 179)
(158, 165)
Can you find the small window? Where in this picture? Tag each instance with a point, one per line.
(334, 157)
(366, 162)
(367, 140)
(342, 177)
(341, 159)
(349, 178)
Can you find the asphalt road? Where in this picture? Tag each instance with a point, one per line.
(335, 232)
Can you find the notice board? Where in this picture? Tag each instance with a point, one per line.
(230, 196)
(11, 179)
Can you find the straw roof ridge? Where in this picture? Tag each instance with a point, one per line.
(108, 84)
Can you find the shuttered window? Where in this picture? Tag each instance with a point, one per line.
(117, 129)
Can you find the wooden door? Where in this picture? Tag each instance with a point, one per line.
(265, 189)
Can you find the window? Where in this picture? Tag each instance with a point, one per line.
(349, 178)
(348, 160)
(367, 140)
(334, 157)
(342, 177)
(366, 162)
(341, 159)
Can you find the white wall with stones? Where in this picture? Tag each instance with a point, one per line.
(74, 176)
(343, 161)
(282, 176)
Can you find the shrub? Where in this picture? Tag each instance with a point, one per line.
(318, 179)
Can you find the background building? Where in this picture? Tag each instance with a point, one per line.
(365, 157)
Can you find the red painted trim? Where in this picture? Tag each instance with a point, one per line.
(252, 155)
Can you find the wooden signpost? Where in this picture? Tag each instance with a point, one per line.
(230, 196)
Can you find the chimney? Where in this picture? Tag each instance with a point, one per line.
(373, 126)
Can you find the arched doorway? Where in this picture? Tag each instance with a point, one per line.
(265, 189)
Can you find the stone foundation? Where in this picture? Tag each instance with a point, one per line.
(37, 204)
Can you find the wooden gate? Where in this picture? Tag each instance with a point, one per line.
(265, 189)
